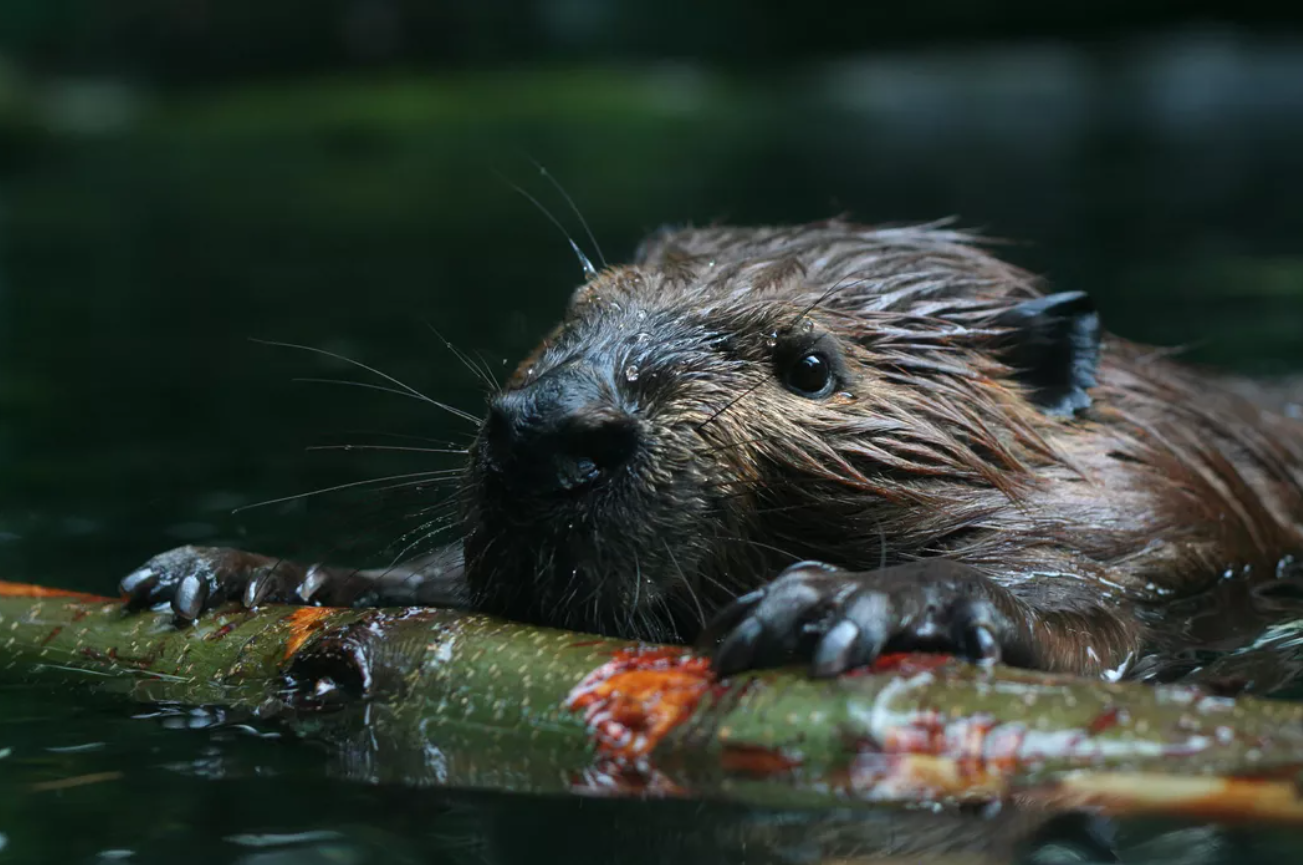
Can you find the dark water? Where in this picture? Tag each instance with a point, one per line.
(146, 236)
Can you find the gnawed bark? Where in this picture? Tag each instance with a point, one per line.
(434, 696)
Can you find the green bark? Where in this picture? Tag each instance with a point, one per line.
(440, 697)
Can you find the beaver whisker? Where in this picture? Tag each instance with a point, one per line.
(687, 583)
(403, 554)
(410, 524)
(556, 184)
(637, 588)
(752, 542)
(569, 589)
(845, 282)
(404, 436)
(483, 373)
(447, 508)
(715, 582)
(662, 630)
(461, 451)
(584, 263)
(403, 386)
(488, 547)
(443, 474)
(716, 416)
(464, 415)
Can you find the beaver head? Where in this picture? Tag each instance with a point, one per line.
(739, 399)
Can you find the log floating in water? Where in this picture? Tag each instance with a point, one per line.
(430, 696)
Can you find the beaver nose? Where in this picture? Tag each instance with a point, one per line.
(558, 434)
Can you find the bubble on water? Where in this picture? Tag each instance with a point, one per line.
(631, 372)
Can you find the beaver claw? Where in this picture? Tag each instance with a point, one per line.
(838, 620)
(192, 580)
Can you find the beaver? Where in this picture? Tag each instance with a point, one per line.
(820, 442)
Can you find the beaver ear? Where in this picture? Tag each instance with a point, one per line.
(1053, 347)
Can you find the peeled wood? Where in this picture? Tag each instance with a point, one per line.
(434, 696)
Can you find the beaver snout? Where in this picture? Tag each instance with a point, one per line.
(561, 433)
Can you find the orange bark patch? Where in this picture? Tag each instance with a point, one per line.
(1203, 798)
(27, 590)
(1105, 721)
(755, 760)
(905, 663)
(932, 757)
(923, 778)
(304, 622)
(634, 699)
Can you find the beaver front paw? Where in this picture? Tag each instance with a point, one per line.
(193, 580)
(838, 620)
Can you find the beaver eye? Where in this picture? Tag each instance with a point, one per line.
(811, 375)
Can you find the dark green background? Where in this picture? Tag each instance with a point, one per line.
(178, 177)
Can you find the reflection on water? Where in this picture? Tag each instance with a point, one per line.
(147, 236)
(135, 791)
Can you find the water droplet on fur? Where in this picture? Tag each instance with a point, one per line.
(641, 315)
(642, 337)
(631, 372)
(807, 326)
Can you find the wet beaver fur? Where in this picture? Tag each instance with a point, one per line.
(819, 442)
